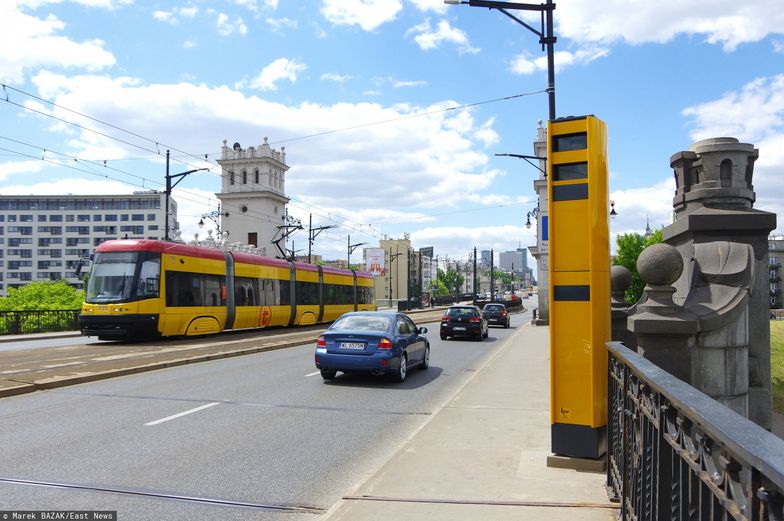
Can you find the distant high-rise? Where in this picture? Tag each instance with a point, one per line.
(485, 258)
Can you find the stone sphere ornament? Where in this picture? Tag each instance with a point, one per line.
(659, 265)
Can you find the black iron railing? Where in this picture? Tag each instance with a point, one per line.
(44, 321)
(677, 454)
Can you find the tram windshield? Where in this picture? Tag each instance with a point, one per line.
(123, 277)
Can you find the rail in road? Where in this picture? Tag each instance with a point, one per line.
(28, 370)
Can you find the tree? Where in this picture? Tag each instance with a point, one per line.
(451, 280)
(630, 246)
(42, 295)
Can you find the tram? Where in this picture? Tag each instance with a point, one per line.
(150, 288)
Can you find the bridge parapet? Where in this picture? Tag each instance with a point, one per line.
(676, 453)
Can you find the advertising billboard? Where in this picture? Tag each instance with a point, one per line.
(374, 262)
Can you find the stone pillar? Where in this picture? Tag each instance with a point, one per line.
(665, 331)
(722, 242)
(620, 280)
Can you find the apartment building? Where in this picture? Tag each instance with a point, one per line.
(43, 237)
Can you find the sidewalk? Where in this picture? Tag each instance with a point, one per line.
(483, 455)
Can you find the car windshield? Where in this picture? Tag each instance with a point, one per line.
(362, 323)
(123, 277)
(461, 312)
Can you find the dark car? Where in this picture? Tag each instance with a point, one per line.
(464, 321)
(496, 314)
(372, 342)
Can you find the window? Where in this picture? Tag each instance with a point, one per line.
(56, 218)
(97, 218)
(194, 289)
(570, 171)
(307, 293)
(150, 216)
(244, 177)
(137, 217)
(257, 176)
(567, 142)
(69, 218)
(124, 217)
(231, 178)
(25, 218)
(111, 218)
(83, 218)
(41, 218)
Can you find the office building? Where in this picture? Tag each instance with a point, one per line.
(43, 237)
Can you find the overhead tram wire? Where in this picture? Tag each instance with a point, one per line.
(260, 216)
(409, 116)
(205, 158)
(110, 125)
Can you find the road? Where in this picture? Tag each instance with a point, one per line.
(253, 437)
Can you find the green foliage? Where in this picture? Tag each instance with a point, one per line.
(42, 296)
(451, 281)
(630, 246)
(777, 363)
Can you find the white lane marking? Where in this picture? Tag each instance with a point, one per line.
(313, 374)
(178, 415)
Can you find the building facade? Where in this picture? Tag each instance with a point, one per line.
(253, 194)
(43, 237)
(540, 251)
(514, 261)
(395, 282)
(775, 260)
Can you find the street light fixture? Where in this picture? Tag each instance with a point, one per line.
(546, 37)
(169, 187)
(214, 216)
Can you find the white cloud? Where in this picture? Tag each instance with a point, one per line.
(427, 38)
(430, 5)
(525, 64)
(165, 17)
(278, 70)
(778, 46)
(752, 114)
(399, 84)
(421, 162)
(227, 27)
(755, 114)
(12, 168)
(371, 93)
(368, 14)
(337, 78)
(278, 24)
(32, 42)
(724, 22)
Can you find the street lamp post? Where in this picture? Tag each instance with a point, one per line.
(214, 216)
(169, 187)
(546, 37)
(351, 248)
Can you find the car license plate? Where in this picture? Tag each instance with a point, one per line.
(352, 345)
(459, 328)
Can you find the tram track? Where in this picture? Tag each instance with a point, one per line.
(168, 495)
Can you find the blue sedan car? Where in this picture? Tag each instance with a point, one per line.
(372, 342)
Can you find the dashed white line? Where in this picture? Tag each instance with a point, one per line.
(312, 374)
(179, 415)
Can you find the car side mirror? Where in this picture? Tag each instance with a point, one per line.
(422, 330)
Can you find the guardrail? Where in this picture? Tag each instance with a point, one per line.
(675, 453)
(40, 321)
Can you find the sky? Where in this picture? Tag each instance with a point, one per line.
(391, 112)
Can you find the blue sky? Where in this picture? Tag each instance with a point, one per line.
(187, 75)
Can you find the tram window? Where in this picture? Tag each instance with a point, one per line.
(285, 292)
(194, 289)
(246, 291)
(307, 293)
(570, 171)
(567, 142)
(149, 278)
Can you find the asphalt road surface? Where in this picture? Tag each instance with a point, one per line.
(253, 437)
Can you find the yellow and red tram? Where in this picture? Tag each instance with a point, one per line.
(149, 288)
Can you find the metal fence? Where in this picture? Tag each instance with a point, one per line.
(44, 321)
(677, 454)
